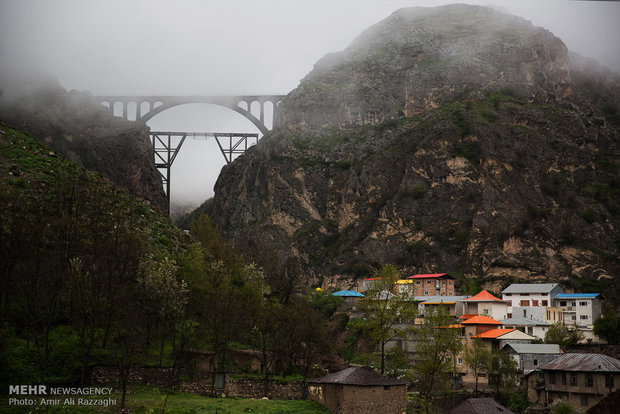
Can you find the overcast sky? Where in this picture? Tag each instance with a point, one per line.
(232, 47)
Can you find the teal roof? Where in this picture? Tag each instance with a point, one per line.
(348, 293)
(576, 295)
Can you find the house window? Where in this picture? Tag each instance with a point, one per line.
(574, 317)
(584, 400)
(485, 312)
(426, 293)
(589, 381)
(460, 361)
(535, 362)
(609, 381)
(534, 302)
(573, 304)
(450, 282)
(417, 282)
(573, 379)
(507, 294)
(525, 303)
(562, 303)
(552, 378)
(524, 313)
(530, 330)
(583, 317)
(583, 303)
(429, 282)
(548, 315)
(544, 303)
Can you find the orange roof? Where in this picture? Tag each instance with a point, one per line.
(493, 333)
(483, 296)
(466, 316)
(481, 320)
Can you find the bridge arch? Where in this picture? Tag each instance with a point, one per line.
(145, 112)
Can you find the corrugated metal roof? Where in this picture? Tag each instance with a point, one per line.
(523, 322)
(535, 348)
(430, 275)
(576, 295)
(435, 299)
(530, 288)
(480, 406)
(583, 362)
(356, 376)
(348, 293)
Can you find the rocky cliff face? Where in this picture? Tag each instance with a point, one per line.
(454, 139)
(75, 125)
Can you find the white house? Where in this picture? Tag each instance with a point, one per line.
(531, 326)
(486, 304)
(526, 295)
(581, 309)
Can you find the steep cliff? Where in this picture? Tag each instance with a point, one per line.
(75, 125)
(455, 139)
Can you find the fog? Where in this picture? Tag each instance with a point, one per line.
(147, 47)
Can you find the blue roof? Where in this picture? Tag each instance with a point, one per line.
(348, 293)
(576, 295)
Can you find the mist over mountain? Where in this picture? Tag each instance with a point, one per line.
(74, 124)
(457, 139)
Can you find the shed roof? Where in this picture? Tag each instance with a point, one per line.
(363, 376)
(484, 296)
(577, 295)
(534, 348)
(481, 320)
(480, 406)
(583, 362)
(429, 300)
(530, 288)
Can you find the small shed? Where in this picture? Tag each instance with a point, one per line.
(359, 390)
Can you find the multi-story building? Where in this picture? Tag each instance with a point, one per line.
(529, 325)
(436, 284)
(536, 295)
(579, 308)
(582, 380)
(487, 305)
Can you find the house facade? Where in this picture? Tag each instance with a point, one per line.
(530, 357)
(435, 284)
(486, 304)
(359, 390)
(582, 380)
(581, 309)
(535, 295)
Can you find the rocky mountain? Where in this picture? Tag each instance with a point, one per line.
(455, 139)
(75, 125)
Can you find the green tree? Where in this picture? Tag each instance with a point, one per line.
(561, 334)
(503, 374)
(387, 316)
(607, 326)
(478, 358)
(438, 343)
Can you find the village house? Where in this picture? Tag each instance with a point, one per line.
(529, 325)
(436, 284)
(580, 379)
(496, 338)
(581, 309)
(453, 304)
(530, 295)
(530, 357)
(359, 390)
(486, 304)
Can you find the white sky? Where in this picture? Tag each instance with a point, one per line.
(232, 47)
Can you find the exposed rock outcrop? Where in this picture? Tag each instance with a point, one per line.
(453, 139)
(75, 125)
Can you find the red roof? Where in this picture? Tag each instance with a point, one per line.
(483, 296)
(466, 316)
(481, 320)
(493, 333)
(428, 276)
(374, 278)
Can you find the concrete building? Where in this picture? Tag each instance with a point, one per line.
(454, 304)
(435, 284)
(580, 379)
(581, 309)
(530, 326)
(530, 357)
(525, 295)
(486, 304)
(359, 390)
(495, 339)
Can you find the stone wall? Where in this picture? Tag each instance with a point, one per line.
(181, 379)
